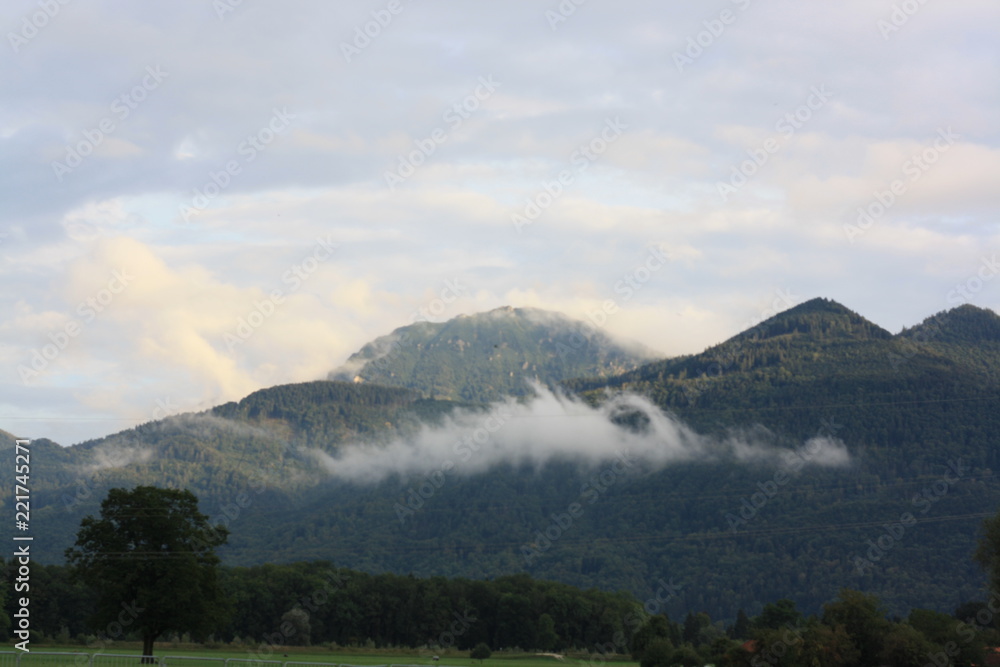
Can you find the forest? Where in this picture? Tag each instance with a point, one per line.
(315, 603)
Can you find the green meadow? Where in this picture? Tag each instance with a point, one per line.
(314, 654)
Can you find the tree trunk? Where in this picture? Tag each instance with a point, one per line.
(147, 648)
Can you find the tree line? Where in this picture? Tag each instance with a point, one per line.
(146, 569)
(316, 603)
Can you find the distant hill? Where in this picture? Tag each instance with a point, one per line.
(965, 324)
(487, 356)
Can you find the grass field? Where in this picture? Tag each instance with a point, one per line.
(386, 657)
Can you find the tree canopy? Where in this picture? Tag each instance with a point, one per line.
(150, 559)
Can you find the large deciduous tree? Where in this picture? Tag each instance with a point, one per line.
(151, 559)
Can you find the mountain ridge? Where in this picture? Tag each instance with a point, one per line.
(903, 409)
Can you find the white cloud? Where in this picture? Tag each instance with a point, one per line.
(552, 427)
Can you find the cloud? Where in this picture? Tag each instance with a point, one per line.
(554, 427)
(113, 455)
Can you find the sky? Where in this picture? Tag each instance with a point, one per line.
(202, 198)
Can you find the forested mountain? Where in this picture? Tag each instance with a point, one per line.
(487, 356)
(918, 413)
(965, 324)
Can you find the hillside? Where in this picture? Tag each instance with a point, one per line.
(258, 445)
(487, 356)
(919, 416)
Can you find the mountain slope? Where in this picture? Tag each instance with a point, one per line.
(922, 424)
(487, 356)
(259, 446)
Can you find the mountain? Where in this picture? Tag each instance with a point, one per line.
(817, 319)
(964, 324)
(806, 356)
(918, 415)
(921, 420)
(487, 356)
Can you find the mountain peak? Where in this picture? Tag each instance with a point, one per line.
(486, 356)
(818, 318)
(820, 305)
(964, 324)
